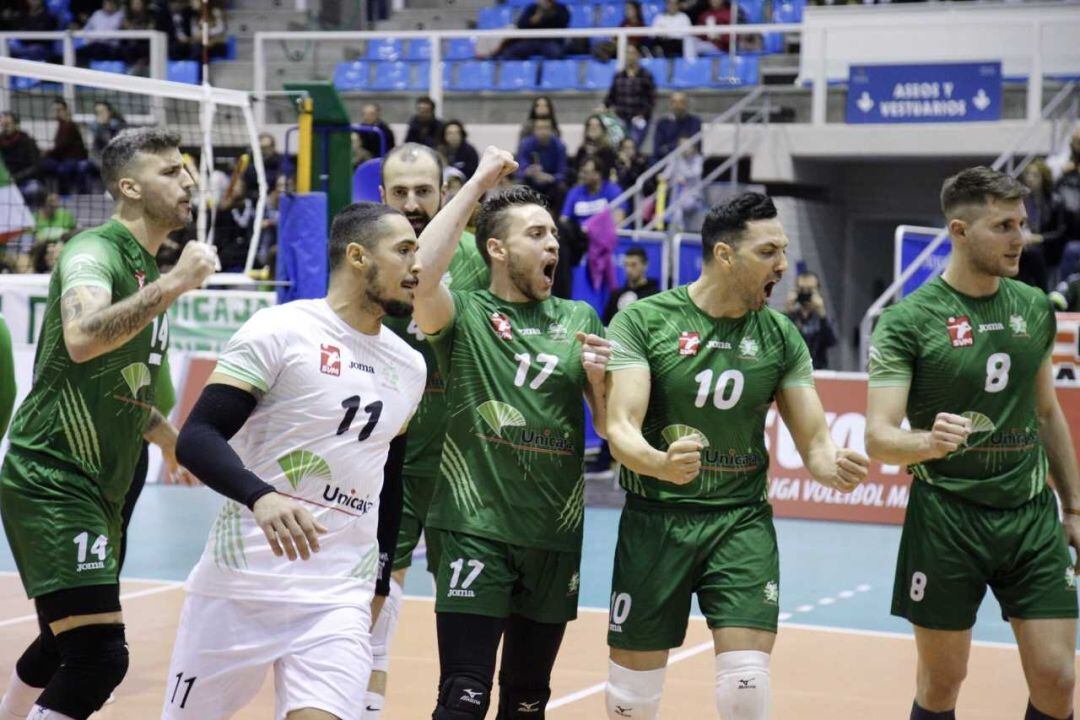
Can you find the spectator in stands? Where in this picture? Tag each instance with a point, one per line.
(629, 165)
(372, 115)
(595, 145)
(1041, 225)
(67, 161)
(174, 22)
(424, 127)
(542, 106)
(637, 286)
(717, 12)
(109, 18)
(20, 154)
(43, 256)
(672, 18)
(1067, 211)
(216, 32)
(273, 165)
(138, 16)
(81, 10)
(590, 196)
(540, 15)
(453, 181)
(680, 121)
(456, 150)
(106, 125)
(806, 308)
(53, 221)
(542, 162)
(34, 18)
(632, 18)
(632, 95)
(685, 197)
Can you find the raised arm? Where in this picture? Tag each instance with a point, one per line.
(839, 468)
(433, 308)
(93, 325)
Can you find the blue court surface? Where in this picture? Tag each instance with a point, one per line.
(836, 575)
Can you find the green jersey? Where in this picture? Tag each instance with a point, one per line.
(512, 460)
(976, 357)
(714, 379)
(468, 271)
(7, 377)
(90, 416)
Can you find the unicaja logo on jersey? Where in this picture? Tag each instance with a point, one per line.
(501, 325)
(961, 333)
(689, 343)
(330, 360)
(337, 496)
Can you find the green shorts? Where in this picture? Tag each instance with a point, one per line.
(62, 532)
(665, 554)
(415, 503)
(479, 576)
(951, 550)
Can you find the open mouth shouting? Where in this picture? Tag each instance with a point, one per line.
(549, 271)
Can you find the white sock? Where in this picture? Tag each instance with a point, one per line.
(40, 713)
(633, 694)
(373, 705)
(19, 699)
(742, 685)
(382, 632)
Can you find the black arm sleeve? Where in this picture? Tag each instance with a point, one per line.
(390, 502)
(203, 445)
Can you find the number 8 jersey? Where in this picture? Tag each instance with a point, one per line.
(332, 399)
(976, 357)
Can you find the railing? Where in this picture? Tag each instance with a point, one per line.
(1005, 162)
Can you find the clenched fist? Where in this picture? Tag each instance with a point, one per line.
(682, 462)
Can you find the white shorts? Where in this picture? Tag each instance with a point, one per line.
(321, 655)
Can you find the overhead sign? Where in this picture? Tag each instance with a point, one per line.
(951, 92)
(908, 243)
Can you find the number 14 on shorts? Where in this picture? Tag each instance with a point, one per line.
(98, 549)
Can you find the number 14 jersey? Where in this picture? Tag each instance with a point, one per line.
(332, 399)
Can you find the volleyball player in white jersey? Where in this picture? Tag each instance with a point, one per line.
(311, 394)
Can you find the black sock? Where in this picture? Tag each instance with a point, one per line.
(919, 713)
(1033, 714)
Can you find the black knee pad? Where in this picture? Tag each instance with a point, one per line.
(463, 697)
(522, 703)
(39, 662)
(93, 661)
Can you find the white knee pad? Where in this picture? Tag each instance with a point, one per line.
(742, 685)
(382, 632)
(633, 694)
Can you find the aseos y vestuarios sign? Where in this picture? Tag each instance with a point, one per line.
(949, 92)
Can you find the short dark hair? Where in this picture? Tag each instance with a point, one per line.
(726, 222)
(977, 186)
(409, 153)
(447, 125)
(359, 223)
(123, 148)
(639, 253)
(491, 219)
(426, 100)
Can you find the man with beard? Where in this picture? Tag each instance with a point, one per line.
(692, 376)
(76, 438)
(966, 359)
(411, 176)
(311, 394)
(508, 509)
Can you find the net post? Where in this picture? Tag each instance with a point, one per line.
(303, 152)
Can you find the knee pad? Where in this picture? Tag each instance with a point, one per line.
(633, 694)
(93, 662)
(522, 703)
(382, 632)
(463, 697)
(39, 662)
(742, 685)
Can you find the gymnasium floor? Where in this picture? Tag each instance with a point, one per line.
(839, 653)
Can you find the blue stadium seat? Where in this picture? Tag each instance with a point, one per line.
(384, 49)
(518, 75)
(752, 10)
(772, 43)
(111, 66)
(351, 75)
(559, 75)
(519, 3)
(473, 75)
(390, 75)
(418, 50)
(231, 50)
(24, 83)
(692, 73)
(489, 18)
(660, 69)
(366, 181)
(649, 10)
(185, 71)
(598, 75)
(421, 72)
(789, 11)
(460, 49)
(611, 15)
(581, 16)
(739, 70)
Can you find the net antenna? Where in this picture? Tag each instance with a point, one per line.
(207, 118)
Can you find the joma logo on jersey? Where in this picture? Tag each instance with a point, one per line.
(717, 345)
(501, 325)
(689, 343)
(330, 360)
(990, 327)
(961, 333)
(336, 496)
(353, 365)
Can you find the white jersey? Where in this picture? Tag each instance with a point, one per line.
(332, 400)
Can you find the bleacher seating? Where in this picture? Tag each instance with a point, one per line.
(111, 66)
(385, 49)
(559, 75)
(490, 18)
(352, 75)
(598, 75)
(581, 16)
(611, 14)
(518, 75)
(391, 75)
(418, 50)
(660, 69)
(473, 75)
(738, 70)
(460, 49)
(184, 71)
(692, 73)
